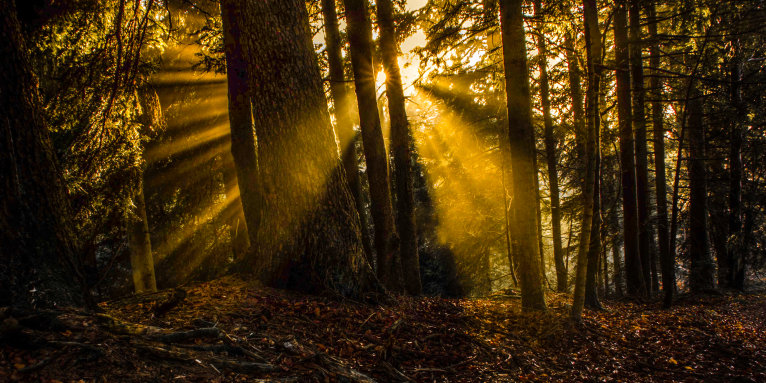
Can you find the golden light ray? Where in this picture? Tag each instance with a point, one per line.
(193, 140)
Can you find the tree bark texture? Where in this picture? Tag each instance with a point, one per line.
(312, 241)
(39, 266)
(521, 135)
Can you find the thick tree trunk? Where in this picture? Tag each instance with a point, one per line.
(312, 242)
(386, 240)
(702, 271)
(550, 157)
(636, 285)
(667, 261)
(243, 146)
(645, 241)
(521, 134)
(344, 126)
(400, 146)
(39, 266)
(593, 50)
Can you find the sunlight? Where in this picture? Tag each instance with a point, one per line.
(193, 140)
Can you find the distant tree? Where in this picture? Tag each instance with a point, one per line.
(633, 267)
(386, 239)
(702, 271)
(39, 262)
(593, 50)
(521, 134)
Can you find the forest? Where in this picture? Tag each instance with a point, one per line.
(382, 190)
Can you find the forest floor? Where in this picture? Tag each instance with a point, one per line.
(229, 330)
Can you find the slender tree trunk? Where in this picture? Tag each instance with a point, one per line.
(639, 127)
(386, 239)
(735, 270)
(400, 146)
(39, 266)
(139, 240)
(240, 241)
(594, 247)
(667, 261)
(344, 126)
(521, 135)
(551, 158)
(593, 50)
(243, 145)
(312, 242)
(633, 266)
(702, 272)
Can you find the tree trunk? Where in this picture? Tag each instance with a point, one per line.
(579, 125)
(594, 247)
(551, 160)
(702, 272)
(139, 240)
(243, 145)
(39, 266)
(344, 126)
(633, 267)
(521, 135)
(240, 242)
(667, 261)
(645, 242)
(400, 146)
(735, 270)
(593, 50)
(386, 240)
(312, 242)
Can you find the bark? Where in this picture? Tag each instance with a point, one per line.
(551, 159)
(521, 138)
(312, 242)
(39, 266)
(594, 246)
(702, 271)
(400, 146)
(633, 266)
(243, 145)
(593, 50)
(667, 261)
(344, 119)
(645, 242)
(386, 239)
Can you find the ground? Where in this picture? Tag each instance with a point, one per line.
(230, 330)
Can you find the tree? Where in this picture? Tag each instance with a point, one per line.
(521, 135)
(139, 240)
(39, 266)
(702, 272)
(243, 147)
(667, 260)
(400, 146)
(344, 127)
(633, 267)
(312, 242)
(593, 50)
(550, 156)
(386, 240)
(639, 128)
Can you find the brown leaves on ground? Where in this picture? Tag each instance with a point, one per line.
(303, 338)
